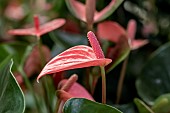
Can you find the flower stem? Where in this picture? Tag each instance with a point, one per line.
(103, 84)
(28, 84)
(90, 27)
(120, 83)
(42, 56)
(45, 80)
(25, 77)
(57, 105)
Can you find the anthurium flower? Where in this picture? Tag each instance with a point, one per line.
(38, 29)
(73, 88)
(113, 31)
(131, 31)
(87, 12)
(77, 57)
(69, 88)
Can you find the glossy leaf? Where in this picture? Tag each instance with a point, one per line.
(81, 105)
(75, 57)
(11, 96)
(162, 104)
(154, 79)
(78, 9)
(127, 108)
(142, 107)
(39, 30)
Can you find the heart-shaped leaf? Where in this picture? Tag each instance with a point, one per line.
(155, 76)
(75, 57)
(11, 96)
(81, 105)
(78, 9)
(142, 107)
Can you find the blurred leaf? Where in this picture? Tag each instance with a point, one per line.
(155, 76)
(81, 105)
(162, 104)
(72, 39)
(142, 107)
(11, 96)
(65, 40)
(126, 108)
(15, 49)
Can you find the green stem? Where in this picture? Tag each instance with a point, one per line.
(45, 80)
(90, 27)
(103, 84)
(57, 105)
(120, 83)
(28, 84)
(25, 78)
(42, 57)
(46, 96)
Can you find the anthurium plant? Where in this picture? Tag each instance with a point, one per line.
(84, 56)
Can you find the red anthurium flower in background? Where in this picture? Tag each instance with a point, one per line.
(77, 57)
(87, 12)
(73, 88)
(69, 88)
(38, 29)
(113, 31)
(14, 11)
(131, 31)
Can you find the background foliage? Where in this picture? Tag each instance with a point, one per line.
(147, 75)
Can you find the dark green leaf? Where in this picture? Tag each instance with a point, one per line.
(127, 108)
(142, 107)
(81, 105)
(155, 76)
(11, 96)
(15, 49)
(64, 40)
